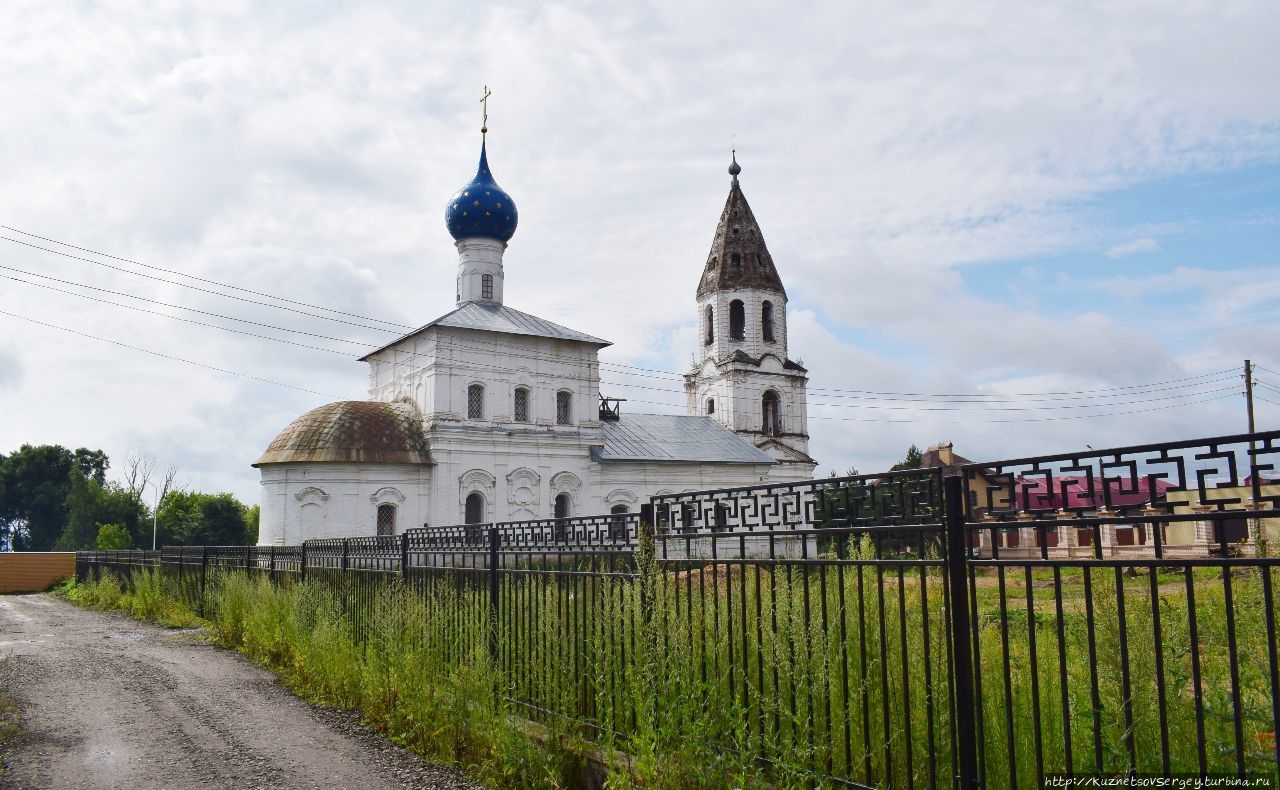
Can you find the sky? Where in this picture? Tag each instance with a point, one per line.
(1019, 227)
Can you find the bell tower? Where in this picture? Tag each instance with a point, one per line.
(743, 378)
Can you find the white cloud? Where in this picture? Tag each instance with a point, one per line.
(308, 151)
(1131, 247)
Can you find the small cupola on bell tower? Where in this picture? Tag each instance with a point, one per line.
(743, 377)
(482, 218)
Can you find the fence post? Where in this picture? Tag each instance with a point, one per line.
(271, 558)
(345, 546)
(302, 562)
(404, 557)
(493, 594)
(961, 634)
(204, 571)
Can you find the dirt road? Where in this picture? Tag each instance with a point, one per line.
(112, 703)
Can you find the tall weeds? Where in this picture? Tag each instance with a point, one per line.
(741, 674)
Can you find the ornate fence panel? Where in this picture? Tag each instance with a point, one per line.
(1107, 612)
(812, 616)
(1124, 611)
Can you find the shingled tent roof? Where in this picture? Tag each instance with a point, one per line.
(739, 257)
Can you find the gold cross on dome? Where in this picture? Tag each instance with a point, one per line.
(484, 100)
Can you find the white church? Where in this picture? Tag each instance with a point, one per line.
(490, 414)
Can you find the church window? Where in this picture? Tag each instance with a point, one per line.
(735, 260)
(618, 526)
(473, 517)
(711, 405)
(711, 325)
(386, 519)
(770, 413)
(766, 321)
(475, 402)
(475, 508)
(522, 404)
(564, 407)
(563, 509)
(737, 319)
(486, 286)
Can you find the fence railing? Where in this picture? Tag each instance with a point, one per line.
(1108, 612)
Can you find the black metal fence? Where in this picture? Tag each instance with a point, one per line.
(1111, 612)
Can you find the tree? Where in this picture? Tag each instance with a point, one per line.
(112, 537)
(912, 461)
(36, 482)
(195, 519)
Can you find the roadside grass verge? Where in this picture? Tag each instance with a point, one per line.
(725, 676)
(404, 688)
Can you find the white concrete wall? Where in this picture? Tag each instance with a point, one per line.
(302, 501)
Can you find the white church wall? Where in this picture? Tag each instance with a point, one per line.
(303, 501)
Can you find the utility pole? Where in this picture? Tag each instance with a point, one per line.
(1248, 391)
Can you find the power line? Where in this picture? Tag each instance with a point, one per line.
(198, 288)
(661, 373)
(166, 356)
(971, 406)
(197, 279)
(164, 304)
(177, 318)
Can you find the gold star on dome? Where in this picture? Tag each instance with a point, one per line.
(475, 202)
(499, 205)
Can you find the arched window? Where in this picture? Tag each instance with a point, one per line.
(564, 407)
(735, 260)
(386, 519)
(522, 404)
(564, 506)
(563, 509)
(766, 321)
(475, 508)
(473, 517)
(711, 325)
(486, 286)
(737, 319)
(771, 414)
(475, 402)
(618, 526)
(711, 405)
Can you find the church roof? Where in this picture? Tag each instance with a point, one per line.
(494, 317)
(672, 437)
(739, 257)
(481, 209)
(354, 431)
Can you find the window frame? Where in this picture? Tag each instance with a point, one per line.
(709, 337)
(385, 507)
(771, 416)
(737, 320)
(486, 286)
(475, 401)
(766, 322)
(564, 407)
(516, 405)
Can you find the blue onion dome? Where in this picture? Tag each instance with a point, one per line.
(481, 209)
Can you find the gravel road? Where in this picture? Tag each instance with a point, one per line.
(108, 702)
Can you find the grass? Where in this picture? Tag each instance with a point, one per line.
(10, 719)
(734, 675)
